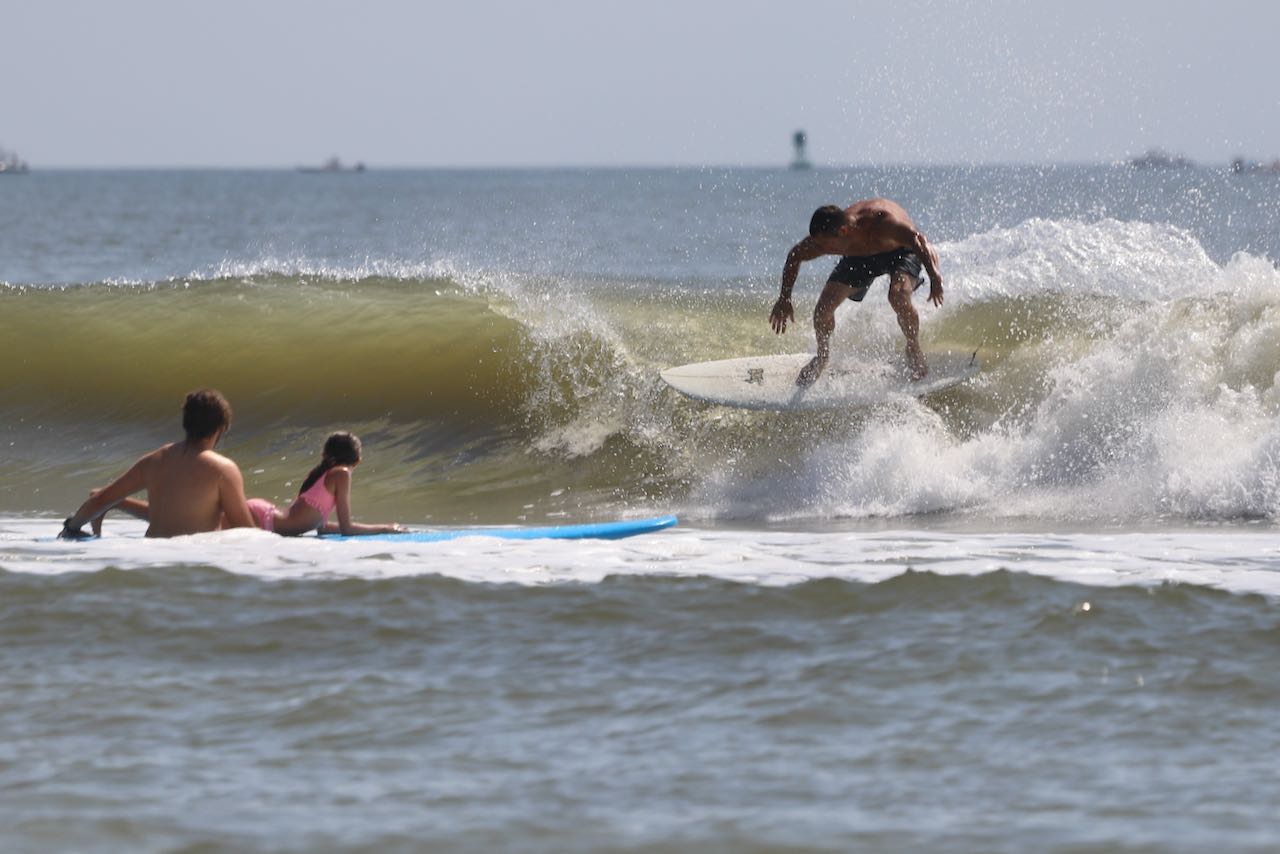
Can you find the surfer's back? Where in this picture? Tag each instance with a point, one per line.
(185, 488)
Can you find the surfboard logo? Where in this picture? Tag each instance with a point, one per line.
(755, 376)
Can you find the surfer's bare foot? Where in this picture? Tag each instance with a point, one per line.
(809, 373)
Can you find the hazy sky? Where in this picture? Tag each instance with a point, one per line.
(597, 82)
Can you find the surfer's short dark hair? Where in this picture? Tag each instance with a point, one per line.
(204, 413)
(826, 220)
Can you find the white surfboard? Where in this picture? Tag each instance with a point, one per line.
(769, 382)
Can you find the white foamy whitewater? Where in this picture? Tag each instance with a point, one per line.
(1241, 560)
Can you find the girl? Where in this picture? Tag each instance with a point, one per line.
(327, 488)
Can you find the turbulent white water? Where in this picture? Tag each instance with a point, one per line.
(1235, 560)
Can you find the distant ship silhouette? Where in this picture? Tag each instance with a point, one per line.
(11, 163)
(333, 164)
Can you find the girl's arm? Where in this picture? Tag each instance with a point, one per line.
(340, 479)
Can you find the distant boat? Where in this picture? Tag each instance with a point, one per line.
(1156, 158)
(333, 164)
(1240, 166)
(12, 164)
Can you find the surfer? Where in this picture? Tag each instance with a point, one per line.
(191, 488)
(326, 488)
(875, 237)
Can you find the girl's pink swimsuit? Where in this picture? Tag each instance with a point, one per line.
(264, 513)
(320, 498)
(317, 496)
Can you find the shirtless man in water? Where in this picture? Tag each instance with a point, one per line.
(190, 488)
(875, 237)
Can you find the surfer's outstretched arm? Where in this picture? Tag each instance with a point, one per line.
(930, 260)
(340, 478)
(135, 507)
(910, 236)
(102, 500)
(783, 310)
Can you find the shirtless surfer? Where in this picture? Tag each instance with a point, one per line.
(190, 488)
(874, 237)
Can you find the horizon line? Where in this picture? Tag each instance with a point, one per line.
(475, 167)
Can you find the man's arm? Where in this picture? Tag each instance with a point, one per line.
(783, 310)
(135, 507)
(930, 260)
(235, 509)
(911, 237)
(134, 480)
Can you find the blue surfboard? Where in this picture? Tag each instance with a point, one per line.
(590, 531)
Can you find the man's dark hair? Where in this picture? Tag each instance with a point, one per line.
(826, 220)
(204, 413)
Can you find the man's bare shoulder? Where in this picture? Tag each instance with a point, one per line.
(809, 248)
(879, 208)
(176, 457)
(216, 460)
(158, 455)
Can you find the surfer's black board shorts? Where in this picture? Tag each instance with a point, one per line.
(858, 271)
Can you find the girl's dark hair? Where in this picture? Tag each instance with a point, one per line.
(340, 449)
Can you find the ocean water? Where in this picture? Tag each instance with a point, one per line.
(1034, 612)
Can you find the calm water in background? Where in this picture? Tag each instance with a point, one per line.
(1034, 613)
